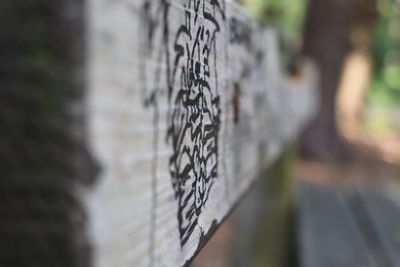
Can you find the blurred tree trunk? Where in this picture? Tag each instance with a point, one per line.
(333, 29)
(327, 41)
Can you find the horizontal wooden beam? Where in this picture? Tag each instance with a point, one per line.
(187, 103)
(133, 127)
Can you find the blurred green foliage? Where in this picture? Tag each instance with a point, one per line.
(385, 87)
(287, 15)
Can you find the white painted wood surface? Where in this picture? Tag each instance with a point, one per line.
(187, 104)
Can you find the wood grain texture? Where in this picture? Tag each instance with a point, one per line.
(187, 103)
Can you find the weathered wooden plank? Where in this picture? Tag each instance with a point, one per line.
(328, 234)
(187, 103)
(184, 102)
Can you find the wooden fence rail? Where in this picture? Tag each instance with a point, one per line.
(165, 112)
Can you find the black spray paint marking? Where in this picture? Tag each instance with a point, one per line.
(194, 120)
(194, 103)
